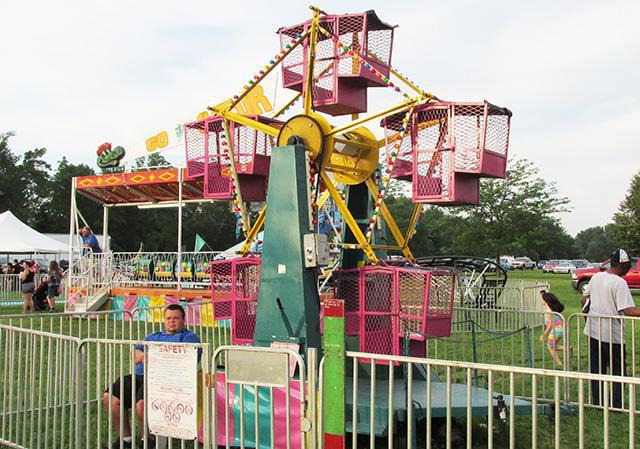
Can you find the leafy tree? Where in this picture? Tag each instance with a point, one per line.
(23, 181)
(10, 177)
(54, 216)
(595, 243)
(515, 216)
(626, 222)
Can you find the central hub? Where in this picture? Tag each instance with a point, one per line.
(352, 157)
(312, 130)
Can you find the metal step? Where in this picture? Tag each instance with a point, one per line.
(97, 300)
(90, 304)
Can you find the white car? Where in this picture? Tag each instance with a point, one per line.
(522, 263)
(564, 267)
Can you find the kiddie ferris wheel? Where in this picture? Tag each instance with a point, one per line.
(442, 148)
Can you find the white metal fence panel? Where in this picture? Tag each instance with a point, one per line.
(10, 294)
(264, 397)
(39, 375)
(426, 403)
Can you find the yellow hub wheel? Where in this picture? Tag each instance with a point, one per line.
(312, 130)
(352, 157)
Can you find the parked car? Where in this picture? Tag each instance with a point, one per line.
(580, 278)
(580, 263)
(522, 263)
(565, 266)
(541, 264)
(548, 267)
(594, 265)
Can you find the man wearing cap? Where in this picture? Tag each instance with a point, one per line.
(608, 295)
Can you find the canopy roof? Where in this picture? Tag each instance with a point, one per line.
(17, 237)
(140, 187)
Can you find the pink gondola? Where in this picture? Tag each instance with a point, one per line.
(340, 80)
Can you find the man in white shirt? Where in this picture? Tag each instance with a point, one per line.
(608, 295)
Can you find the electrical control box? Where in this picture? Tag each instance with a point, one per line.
(316, 250)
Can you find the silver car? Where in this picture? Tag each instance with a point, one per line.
(564, 267)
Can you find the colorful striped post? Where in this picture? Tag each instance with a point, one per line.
(334, 374)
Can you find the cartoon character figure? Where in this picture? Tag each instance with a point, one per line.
(108, 157)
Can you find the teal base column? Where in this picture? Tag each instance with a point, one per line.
(288, 302)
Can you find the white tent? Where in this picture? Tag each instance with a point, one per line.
(17, 237)
(232, 252)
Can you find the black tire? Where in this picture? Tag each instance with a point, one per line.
(582, 285)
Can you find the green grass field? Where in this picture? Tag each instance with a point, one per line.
(520, 348)
(560, 285)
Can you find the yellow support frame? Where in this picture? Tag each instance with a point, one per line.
(403, 243)
(392, 110)
(253, 232)
(313, 39)
(412, 223)
(349, 220)
(251, 123)
(363, 243)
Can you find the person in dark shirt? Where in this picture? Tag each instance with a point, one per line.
(54, 284)
(27, 286)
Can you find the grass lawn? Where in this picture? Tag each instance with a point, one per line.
(560, 285)
(520, 347)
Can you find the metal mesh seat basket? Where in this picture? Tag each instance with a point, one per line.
(449, 147)
(234, 295)
(385, 304)
(340, 80)
(206, 157)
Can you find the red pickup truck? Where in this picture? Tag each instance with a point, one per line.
(581, 277)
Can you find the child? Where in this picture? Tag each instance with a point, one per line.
(554, 327)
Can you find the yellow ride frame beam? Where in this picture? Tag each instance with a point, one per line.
(349, 220)
(412, 223)
(402, 241)
(251, 123)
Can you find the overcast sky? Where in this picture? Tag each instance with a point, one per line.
(74, 74)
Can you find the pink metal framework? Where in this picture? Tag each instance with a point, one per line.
(340, 81)
(452, 146)
(252, 152)
(221, 289)
(385, 305)
(234, 295)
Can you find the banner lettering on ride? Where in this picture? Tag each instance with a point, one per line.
(173, 136)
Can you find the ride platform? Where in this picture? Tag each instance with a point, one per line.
(420, 393)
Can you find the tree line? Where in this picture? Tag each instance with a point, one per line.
(40, 196)
(516, 216)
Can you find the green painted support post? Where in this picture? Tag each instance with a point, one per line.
(288, 303)
(333, 406)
